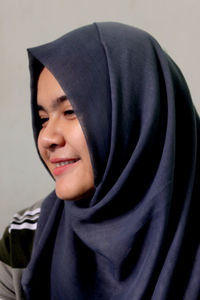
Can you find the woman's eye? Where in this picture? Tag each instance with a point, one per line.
(43, 121)
(70, 114)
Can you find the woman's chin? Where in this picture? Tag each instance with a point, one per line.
(65, 193)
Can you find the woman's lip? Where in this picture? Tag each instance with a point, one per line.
(59, 160)
(61, 169)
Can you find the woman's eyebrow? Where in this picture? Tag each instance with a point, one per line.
(55, 103)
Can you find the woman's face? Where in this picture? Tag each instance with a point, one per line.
(61, 142)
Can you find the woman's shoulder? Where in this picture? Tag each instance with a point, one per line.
(17, 240)
(16, 248)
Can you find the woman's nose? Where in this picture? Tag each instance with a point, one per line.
(52, 136)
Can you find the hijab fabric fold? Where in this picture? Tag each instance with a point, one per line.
(138, 236)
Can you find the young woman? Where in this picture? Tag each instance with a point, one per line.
(115, 126)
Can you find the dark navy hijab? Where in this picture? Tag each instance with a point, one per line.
(138, 236)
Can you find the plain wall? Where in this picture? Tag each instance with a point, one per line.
(27, 23)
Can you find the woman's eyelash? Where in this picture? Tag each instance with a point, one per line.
(43, 120)
(69, 112)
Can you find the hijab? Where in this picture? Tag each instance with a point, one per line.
(137, 237)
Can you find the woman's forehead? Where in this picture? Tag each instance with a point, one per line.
(49, 90)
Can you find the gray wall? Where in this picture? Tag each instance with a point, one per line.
(27, 23)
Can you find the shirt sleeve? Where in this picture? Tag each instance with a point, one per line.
(10, 286)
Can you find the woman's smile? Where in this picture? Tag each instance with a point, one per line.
(64, 165)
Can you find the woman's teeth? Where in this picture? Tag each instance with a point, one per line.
(63, 163)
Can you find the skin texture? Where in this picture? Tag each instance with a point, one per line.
(60, 139)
